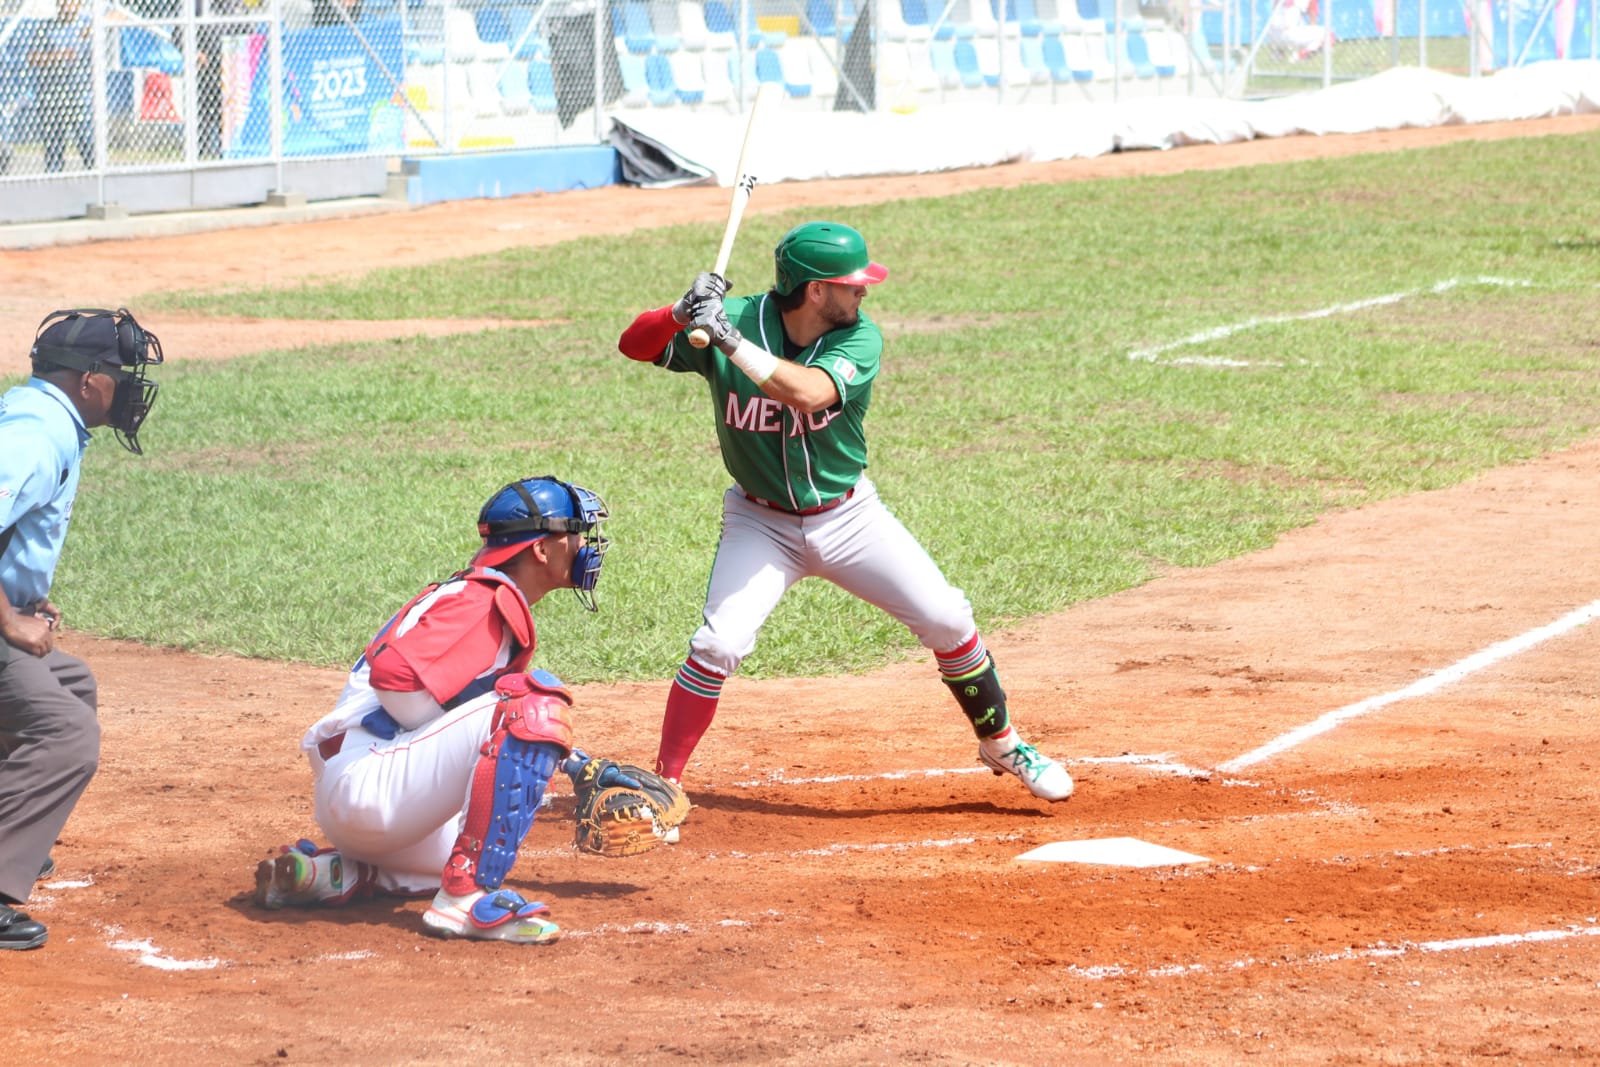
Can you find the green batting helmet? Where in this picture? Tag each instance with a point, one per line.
(824, 252)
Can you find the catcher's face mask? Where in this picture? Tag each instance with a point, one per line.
(105, 342)
(527, 510)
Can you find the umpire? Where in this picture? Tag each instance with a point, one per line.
(89, 367)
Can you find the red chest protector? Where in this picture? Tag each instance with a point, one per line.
(453, 648)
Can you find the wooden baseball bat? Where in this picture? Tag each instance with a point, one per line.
(743, 184)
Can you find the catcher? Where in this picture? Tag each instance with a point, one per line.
(431, 767)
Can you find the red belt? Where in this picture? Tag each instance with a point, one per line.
(818, 510)
(330, 748)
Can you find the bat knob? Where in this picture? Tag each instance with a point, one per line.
(699, 338)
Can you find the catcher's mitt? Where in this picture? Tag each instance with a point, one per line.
(622, 810)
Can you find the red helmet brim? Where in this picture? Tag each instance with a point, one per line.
(871, 274)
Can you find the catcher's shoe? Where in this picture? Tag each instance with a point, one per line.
(484, 915)
(1010, 754)
(304, 876)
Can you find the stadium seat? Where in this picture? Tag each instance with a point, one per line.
(966, 58)
(692, 29)
(1062, 69)
(522, 36)
(1030, 53)
(973, 18)
(718, 76)
(830, 18)
(768, 67)
(795, 65)
(1095, 53)
(515, 96)
(665, 24)
(493, 25)
(988, 52)
(942, 56)
(719, 25)
(658, 80)
(632, 20)
(542, 85)
(689, 75)
(894, 25)
(1135, 51)
(635, 86)
(463, 42)
(1164, 49)
(924, 78)
(824, 75)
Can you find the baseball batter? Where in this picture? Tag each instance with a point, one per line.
(791, 373)
(432, 764)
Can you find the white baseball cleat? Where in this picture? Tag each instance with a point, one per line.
(490, 915)
(1044, 777)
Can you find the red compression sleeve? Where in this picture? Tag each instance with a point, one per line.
(649, 335)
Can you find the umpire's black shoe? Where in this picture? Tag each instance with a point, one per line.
(47, 869)
(18, 931)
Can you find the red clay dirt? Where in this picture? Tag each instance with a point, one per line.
(1416, 884)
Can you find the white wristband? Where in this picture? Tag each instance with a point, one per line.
(757, 363)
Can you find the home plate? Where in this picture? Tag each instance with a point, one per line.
(1113, 852)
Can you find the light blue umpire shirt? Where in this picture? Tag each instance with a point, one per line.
(42, 438)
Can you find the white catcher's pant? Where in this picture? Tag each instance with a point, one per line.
(399, 804)
(859, 546)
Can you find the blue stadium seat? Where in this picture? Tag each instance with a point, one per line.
(1135, 52)
(659, 83)
(519, 26)
(516, 97)
(636, 32)
(542, 85)
(942, 54)
(493, 24)
(966, 58)
(1055, 61)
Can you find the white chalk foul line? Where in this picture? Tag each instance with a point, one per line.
(1421, 687)
(1379, 951)
(1217, 333)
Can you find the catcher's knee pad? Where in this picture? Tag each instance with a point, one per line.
(534, 707)
(531, 735)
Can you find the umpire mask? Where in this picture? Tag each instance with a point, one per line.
(110, 343)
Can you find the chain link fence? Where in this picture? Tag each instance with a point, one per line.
(91, 87)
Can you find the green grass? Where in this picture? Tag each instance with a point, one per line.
(288, 502)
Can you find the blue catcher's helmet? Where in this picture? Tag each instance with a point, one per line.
(524, 511)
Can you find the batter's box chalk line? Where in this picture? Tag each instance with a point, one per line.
(1380, 951)
(150, 956)
(1158, 763)
(1153, 354)
(1421, 687)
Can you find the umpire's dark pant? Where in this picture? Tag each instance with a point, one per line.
(49, 749)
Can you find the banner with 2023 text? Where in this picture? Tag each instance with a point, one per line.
(338, 93)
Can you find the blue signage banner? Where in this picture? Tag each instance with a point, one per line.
(337, 98)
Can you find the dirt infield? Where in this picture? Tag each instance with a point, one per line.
(1380, 734)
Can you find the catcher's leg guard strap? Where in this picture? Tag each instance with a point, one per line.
(982, 700)
(507, 788)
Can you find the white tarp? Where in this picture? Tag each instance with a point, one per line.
(811, 144)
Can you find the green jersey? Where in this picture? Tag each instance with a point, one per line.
(774, 451)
